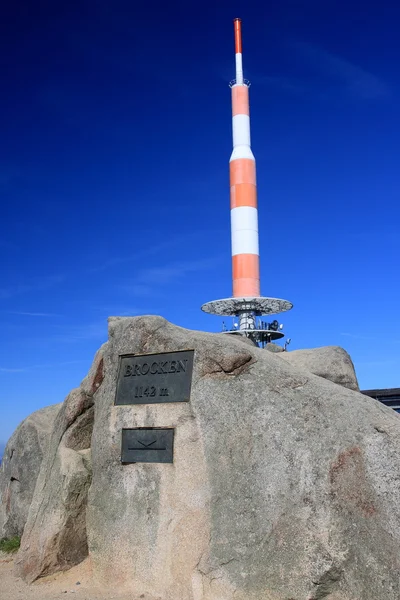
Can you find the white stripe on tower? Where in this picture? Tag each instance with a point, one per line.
(244, 214)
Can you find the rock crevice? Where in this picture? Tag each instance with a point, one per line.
(55, 536)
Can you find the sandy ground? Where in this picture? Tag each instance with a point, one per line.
(75, 584)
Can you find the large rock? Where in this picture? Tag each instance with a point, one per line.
(20, 469)
(329, 362)
(55, 534)
(284, 486)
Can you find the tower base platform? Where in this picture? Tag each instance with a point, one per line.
(258, 305)
(247, 310)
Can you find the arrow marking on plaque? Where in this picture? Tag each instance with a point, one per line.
(147, 446)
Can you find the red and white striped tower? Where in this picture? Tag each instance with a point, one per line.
(246, 304)
(244, 213)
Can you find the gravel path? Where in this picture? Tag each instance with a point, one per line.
(75, 584)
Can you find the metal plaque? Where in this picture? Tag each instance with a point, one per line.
(154, 378)
(147, 445)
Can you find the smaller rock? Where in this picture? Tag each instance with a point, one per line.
(59, 541)
(20, 469)
(271, 347)
(329, 362)
(56, 525)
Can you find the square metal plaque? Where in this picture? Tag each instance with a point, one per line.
(154, 378)
(148, 445)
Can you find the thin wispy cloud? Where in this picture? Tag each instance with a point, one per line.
(122, 310)
(367, 236)
(352, 78)
(356, 336)
(31, 314)
(151, 250)
(376, 363)
(290, 85)
(43, 366)
(55, 339)
(321, 72)
(137, 289)
(149, 280)
(172, 272)
(96, 331)
(35, 285)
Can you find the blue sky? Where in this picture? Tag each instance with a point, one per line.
(116, 136)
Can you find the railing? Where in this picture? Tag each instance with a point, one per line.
(245, 82)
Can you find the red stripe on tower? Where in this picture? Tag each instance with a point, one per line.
(244, 214)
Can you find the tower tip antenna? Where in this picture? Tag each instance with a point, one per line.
(238, 35)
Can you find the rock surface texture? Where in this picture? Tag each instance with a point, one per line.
(329, 362)
(20, 469)
(284, 485)
(55, 533)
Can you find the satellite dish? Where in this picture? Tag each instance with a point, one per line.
(274, 325)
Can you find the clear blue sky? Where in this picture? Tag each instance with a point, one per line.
(116, 136)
